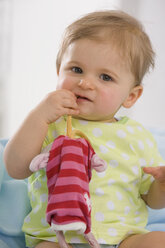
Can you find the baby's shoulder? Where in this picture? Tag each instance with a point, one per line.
(139, 137)
(138, 129)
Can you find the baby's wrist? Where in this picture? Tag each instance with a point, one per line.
(39, 118)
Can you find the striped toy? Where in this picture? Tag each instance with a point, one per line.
(68, 169)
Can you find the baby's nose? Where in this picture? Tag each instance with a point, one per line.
(86, 84)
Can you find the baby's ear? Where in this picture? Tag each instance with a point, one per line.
(133, 96)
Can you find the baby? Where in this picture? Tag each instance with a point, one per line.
(100, 65)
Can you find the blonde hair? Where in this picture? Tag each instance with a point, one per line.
(122, 30)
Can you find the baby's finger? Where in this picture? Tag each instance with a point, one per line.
(71, 112)
(157, 172)
(70, 103)
(150, 170)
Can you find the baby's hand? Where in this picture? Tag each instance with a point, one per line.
(56, 104)
(157, 172)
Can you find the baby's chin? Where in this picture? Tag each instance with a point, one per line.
(94, 118)
(81, 117)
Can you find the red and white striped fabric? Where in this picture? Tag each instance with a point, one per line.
(68, 168)
(68, 175)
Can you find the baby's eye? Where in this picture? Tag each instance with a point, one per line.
(77, 69)
(106, 77)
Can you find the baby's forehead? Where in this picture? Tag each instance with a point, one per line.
(100, 55)
(119, 47)
(120, 42)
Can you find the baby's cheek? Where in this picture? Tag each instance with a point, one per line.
(110, 102)
(107, 98)
(64, 83)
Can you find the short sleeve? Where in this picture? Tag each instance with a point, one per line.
(153, 159)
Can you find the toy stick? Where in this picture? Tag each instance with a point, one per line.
(72, 133)
(69, 127)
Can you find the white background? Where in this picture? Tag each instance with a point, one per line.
(36, 29)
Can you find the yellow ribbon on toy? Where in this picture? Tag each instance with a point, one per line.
(72, 133)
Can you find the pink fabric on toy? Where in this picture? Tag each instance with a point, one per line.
(68, 169)
(68, 176)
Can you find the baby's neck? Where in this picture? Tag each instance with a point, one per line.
(114, 119)
(110, 120)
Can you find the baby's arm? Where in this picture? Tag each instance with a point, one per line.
(28, 140)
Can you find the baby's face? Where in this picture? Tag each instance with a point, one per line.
(97, 76)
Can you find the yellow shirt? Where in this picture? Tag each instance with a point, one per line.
(117, 207)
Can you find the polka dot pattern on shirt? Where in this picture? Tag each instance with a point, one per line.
(117, 208)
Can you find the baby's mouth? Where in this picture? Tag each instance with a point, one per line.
(83, 98)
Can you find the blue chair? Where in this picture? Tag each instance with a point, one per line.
(14, 206)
